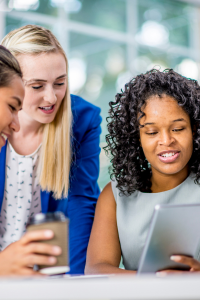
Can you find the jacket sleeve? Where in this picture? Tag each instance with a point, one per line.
(84, 192)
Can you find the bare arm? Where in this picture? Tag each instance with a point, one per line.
(104, 252)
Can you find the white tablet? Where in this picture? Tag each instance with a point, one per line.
(174, 229)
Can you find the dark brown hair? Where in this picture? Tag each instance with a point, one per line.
(9, 67)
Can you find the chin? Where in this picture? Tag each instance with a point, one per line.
(46, 121)
(172, 171)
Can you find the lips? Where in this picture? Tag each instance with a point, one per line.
(168, 156)
(4, 137)
(47, 109)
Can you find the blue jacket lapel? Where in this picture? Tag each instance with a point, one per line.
(43, 194)
(3, 172)
(44, 200)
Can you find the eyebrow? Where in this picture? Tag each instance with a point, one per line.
(177, 120)
(42, 80)
(18, 100)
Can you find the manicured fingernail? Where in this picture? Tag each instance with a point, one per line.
(56, 250)
(175, 258)
(52, 260)
(48, 233)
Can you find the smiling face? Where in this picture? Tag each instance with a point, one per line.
(166, 137)
(11, 98)
(44, 77)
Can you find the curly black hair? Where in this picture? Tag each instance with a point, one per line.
(129, 165)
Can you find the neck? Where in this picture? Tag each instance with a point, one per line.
(164, 182)
(28, 126)
(29, 137)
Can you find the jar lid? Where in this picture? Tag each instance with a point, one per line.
(48, 217)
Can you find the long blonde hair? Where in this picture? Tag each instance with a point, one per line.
(55, 158)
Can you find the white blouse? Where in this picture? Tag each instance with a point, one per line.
(21, 195)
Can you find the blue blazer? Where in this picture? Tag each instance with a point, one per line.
(79, 207)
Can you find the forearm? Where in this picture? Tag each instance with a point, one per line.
(105, 268)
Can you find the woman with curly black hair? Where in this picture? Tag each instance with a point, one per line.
(154, 142)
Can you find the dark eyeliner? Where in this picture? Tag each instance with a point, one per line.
(151, 133)
(36, 87)
(176, 130)
(12, 107)
(60, 83)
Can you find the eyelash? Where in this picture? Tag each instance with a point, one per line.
(60, 83)
(38, 87)
(12, 107)
(151, 133)
(175, 130)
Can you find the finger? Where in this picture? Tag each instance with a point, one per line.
(194, 270)
(35, 259)
(190, 261)
(43, 248)
(36, 236)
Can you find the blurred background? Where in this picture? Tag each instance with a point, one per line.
(108, 42)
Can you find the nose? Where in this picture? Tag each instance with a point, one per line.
(50, 95)
(166, 139)
(14, 125)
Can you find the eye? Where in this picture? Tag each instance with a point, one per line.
(177, 129)
(12, 108)
(59, 84)
(151, 133)
(36, 87)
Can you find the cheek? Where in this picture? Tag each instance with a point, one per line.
(148, 145)
(149, 154)
(189, 145)
(6, 116)
(61, 94)
(60, 97)
(186, 140)
(30, 99)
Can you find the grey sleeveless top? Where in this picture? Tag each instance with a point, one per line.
(134, 215)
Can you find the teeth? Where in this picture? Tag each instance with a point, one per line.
(4, 136)
(168, 154)
(47, 107)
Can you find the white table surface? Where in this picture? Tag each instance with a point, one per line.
(126, 287)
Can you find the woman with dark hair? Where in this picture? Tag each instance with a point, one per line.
(11, 94)
(154, 142)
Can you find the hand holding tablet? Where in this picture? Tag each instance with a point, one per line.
(173, 241)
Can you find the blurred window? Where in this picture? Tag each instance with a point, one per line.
(110, 41)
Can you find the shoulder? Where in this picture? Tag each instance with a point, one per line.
(82, 108)
(86, 116)
(121, 197)
(107, 197)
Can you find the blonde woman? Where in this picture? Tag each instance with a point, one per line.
(52, 163)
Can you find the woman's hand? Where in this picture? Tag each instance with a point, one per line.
(193, 264)
(19, 257)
